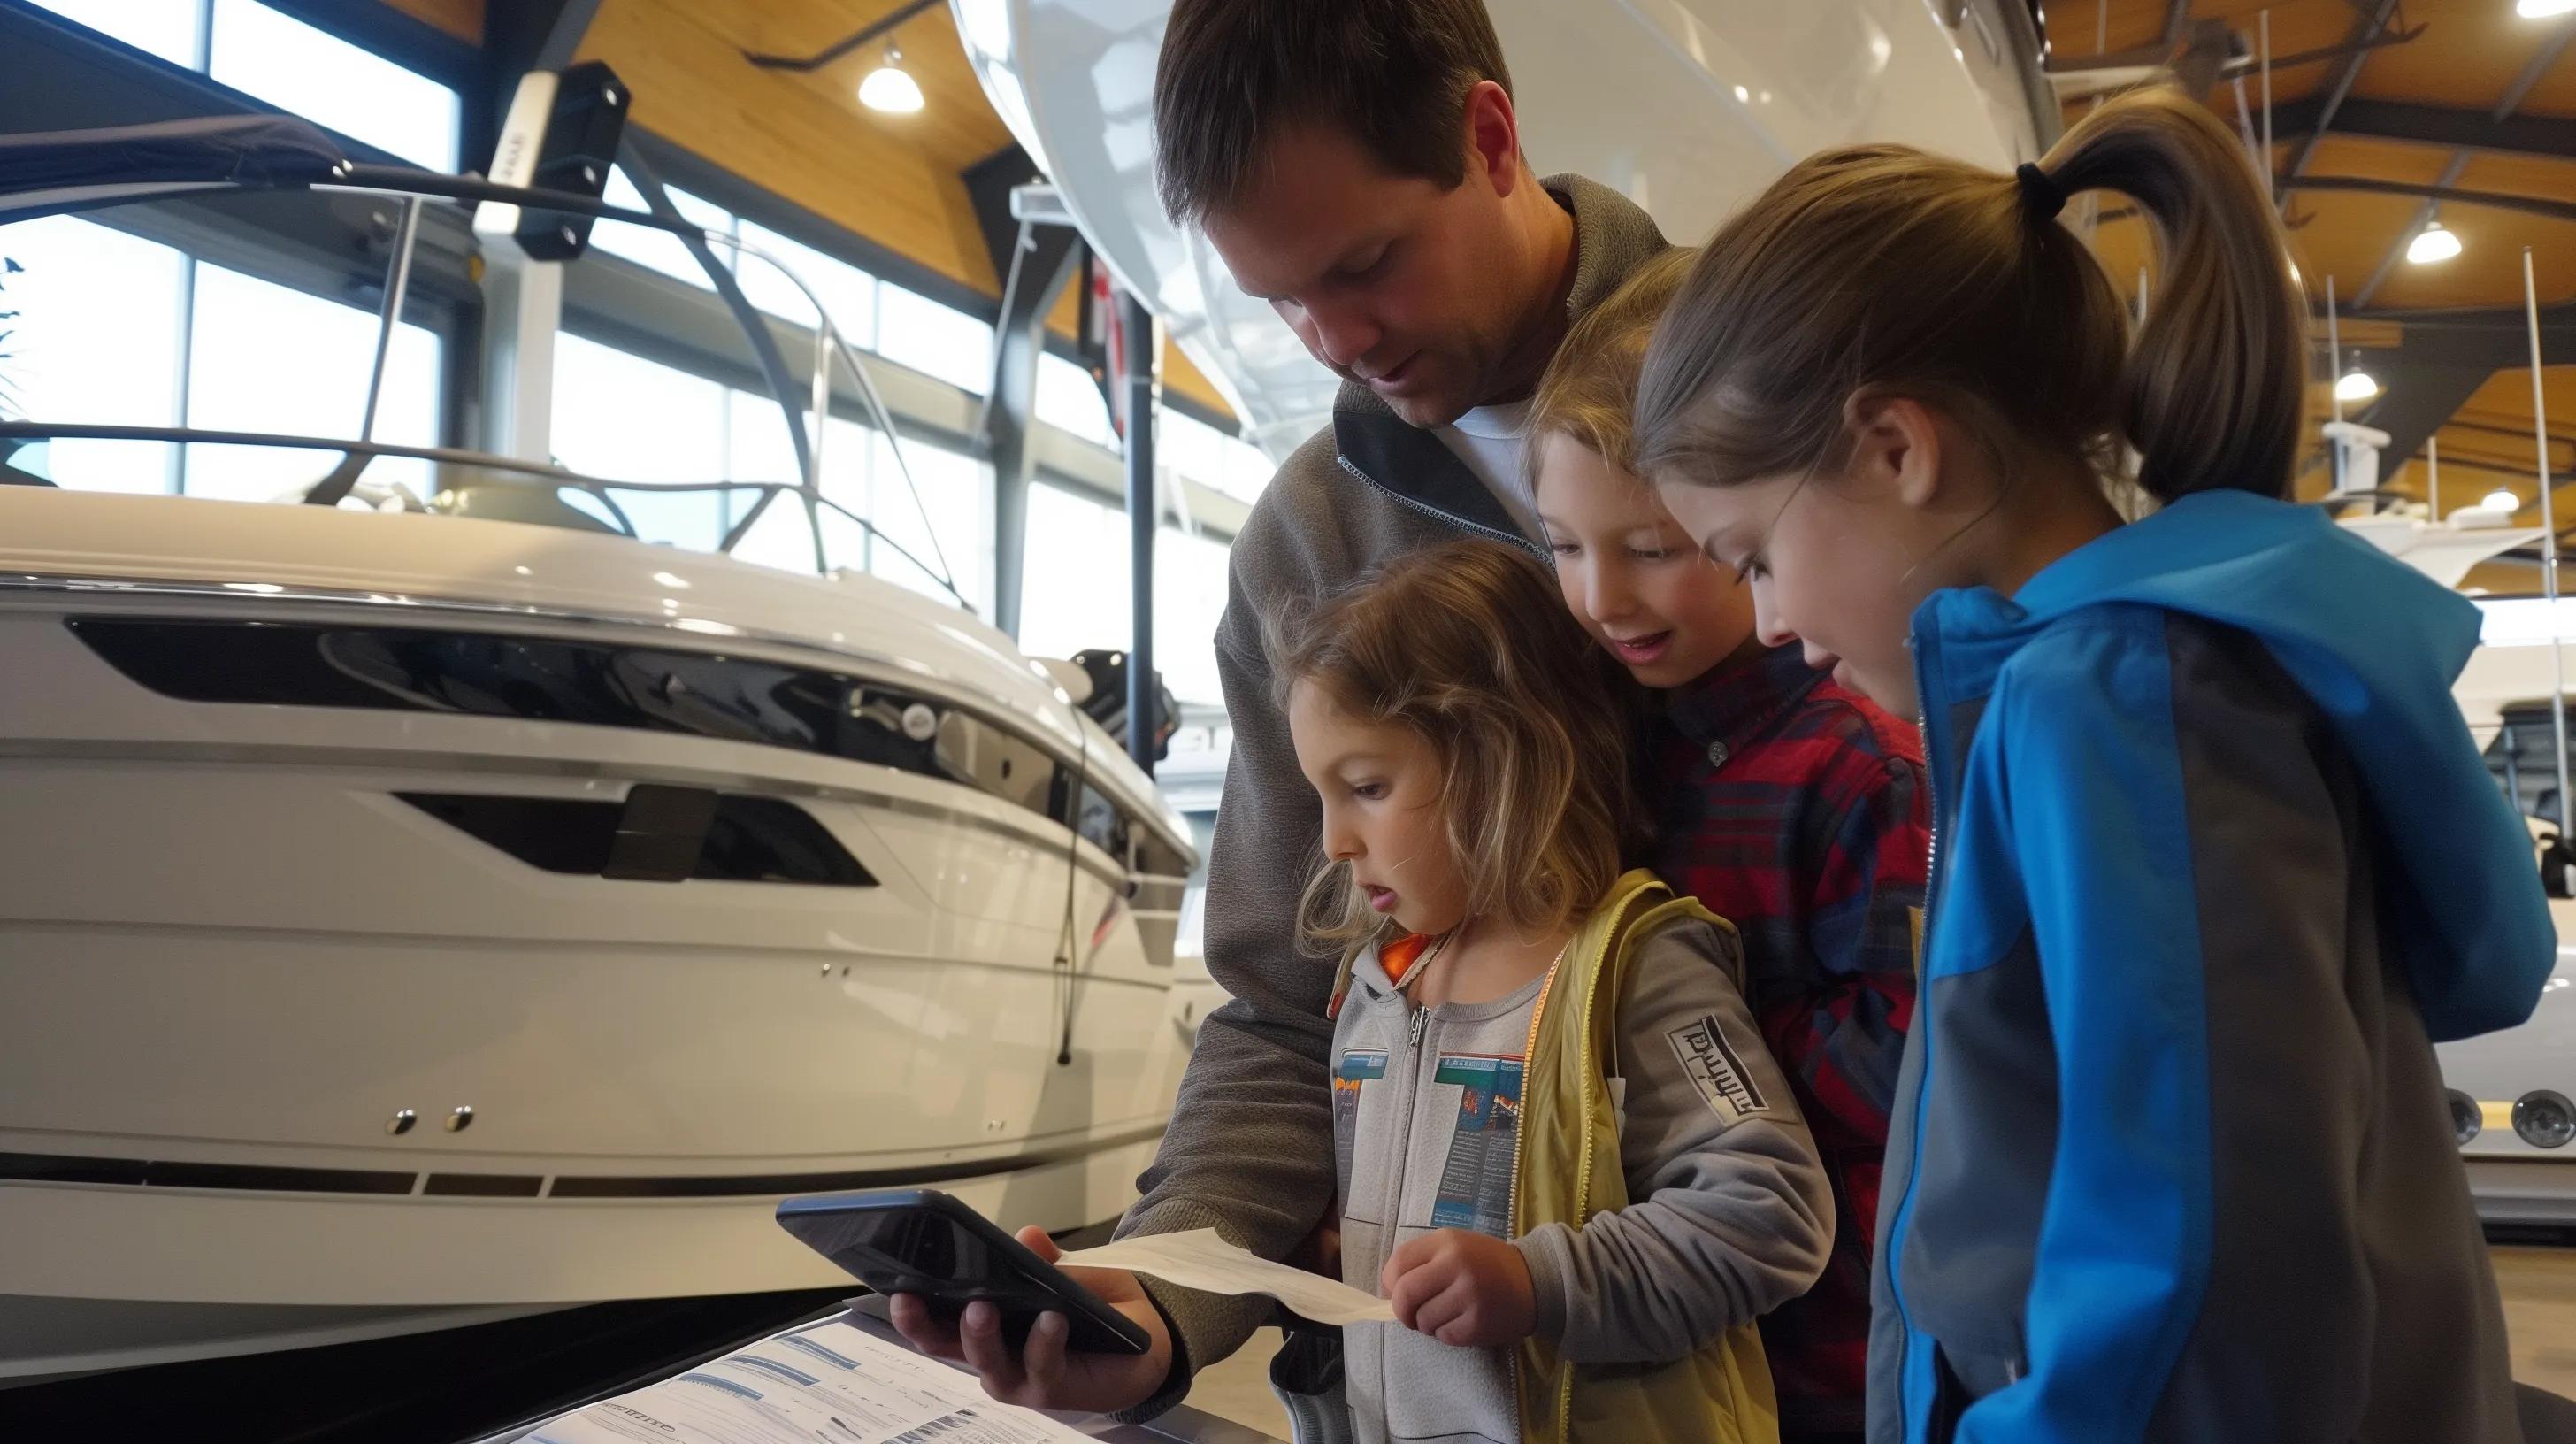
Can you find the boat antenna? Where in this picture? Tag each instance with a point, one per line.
(1072, 868)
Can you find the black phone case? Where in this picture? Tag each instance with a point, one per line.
(952, 1256)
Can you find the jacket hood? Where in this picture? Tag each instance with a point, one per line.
(2377, 645)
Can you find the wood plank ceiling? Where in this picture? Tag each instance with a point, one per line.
(2469, 56)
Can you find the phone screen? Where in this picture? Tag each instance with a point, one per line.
(930, 1245)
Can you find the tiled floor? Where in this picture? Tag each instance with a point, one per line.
(2539, 1286)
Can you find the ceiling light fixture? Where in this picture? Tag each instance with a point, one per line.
(2543, 9)
(2356, 386)
(2434, 245)
(2502, 498)
(891, 89)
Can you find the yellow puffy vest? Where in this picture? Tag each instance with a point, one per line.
(1570, 1170)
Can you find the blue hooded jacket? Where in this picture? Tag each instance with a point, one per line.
(2216, 861)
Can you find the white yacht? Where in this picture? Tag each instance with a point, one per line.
(407, 919)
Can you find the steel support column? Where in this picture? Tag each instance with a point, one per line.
(1138, 325)
(1045, 258)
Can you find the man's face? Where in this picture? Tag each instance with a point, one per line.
(1391, 281)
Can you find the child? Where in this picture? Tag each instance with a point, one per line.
(1564, 1154)
(1786, 803)
(2217, 860)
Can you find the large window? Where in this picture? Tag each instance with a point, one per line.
(661, 250)
(1069, 400)
(121, 331)
(324, 78)
(100, 332)
(276, 58)
(916, 331)
(903, 326)
(1192, 448)
(602, 397)
(848, 293)
(262, 357)
(166, 28)
(706, 432)
(1074, 590)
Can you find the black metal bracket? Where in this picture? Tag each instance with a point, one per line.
(873, 30)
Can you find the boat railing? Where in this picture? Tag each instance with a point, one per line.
(497, 469)
(73, 172)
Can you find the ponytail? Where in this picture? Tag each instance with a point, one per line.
(2212, 393)
(1885, 269)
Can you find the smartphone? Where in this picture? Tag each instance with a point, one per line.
(921, 1241)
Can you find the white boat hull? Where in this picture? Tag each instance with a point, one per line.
(288, 1056)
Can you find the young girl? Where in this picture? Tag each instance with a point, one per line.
(2217, 860)
(1788, 804)
(1564, 1154)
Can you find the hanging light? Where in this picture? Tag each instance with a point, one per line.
(2543, 9)
(2434, 245)
(2357, 384)
(893, 90)
(2502, 498)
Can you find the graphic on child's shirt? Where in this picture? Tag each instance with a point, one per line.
(1358, 1066)
(1476, 1181)
(1714, 1065)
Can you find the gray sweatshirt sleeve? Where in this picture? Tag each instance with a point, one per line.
(1250, 1147)
(1730, 1214)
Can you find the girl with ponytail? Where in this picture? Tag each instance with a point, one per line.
(2215, 860)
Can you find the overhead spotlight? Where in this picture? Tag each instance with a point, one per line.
(893, 90)
(2357, 385)
(2434, 245)
(2501, 499)
(2543, 9)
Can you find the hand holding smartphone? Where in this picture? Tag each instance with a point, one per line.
(962, 1289)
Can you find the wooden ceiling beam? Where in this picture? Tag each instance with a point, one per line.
(2452, 127)
(2501, 200)
(2365, 26)
(2496, 338)
(875, 29)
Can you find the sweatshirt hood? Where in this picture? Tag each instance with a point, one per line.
(2377, 645)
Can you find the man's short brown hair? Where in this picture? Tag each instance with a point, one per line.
(1393, 74)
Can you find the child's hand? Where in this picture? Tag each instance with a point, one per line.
(1461, 1288)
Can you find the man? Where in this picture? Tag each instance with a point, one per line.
(1358, 165)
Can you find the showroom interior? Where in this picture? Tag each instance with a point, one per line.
(539, 732)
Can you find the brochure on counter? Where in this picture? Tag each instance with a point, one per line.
(834, 1382)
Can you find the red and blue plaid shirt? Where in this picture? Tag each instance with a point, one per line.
(1796, 809)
